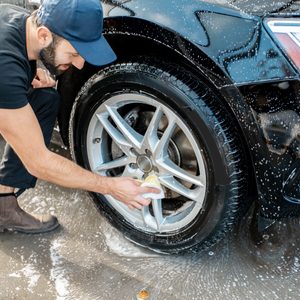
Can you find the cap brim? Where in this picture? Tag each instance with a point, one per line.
(97, 52)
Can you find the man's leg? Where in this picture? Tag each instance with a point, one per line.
(13, 174)
(45, 104)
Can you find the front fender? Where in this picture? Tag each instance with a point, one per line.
(235, 42)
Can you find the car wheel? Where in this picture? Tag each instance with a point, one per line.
(138, 117)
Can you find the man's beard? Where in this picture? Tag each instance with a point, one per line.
(47, 57)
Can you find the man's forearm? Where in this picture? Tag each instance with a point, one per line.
(59, 170)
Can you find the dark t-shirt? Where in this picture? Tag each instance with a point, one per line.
(16, 71)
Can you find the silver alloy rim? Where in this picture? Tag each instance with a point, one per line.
(116, 146)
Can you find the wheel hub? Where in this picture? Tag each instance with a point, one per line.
(144, 163)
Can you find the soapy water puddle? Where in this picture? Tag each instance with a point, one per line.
(57, 274)
(119, 245)
(30, 273)
(89, 259)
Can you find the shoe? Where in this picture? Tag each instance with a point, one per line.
(13, 218)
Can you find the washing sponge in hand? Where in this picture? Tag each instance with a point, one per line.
(153, 181)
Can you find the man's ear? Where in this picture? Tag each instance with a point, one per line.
(44, 36)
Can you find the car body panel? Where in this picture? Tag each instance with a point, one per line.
(210, 28)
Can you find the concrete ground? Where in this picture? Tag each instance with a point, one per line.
(88, 259)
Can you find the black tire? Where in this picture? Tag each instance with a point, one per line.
(201, 110)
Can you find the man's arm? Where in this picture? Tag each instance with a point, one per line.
(21, 130)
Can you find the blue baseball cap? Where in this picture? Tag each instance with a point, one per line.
(80, 22)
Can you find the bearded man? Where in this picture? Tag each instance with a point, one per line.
(61, 34)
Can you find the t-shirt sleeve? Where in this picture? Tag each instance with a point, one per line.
(13, 82)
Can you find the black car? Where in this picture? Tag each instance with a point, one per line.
(206, 95)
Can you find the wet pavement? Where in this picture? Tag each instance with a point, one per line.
(88, 259)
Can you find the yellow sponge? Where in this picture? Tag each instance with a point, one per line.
(153, 181)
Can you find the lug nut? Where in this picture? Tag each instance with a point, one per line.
(133, 166)
(96, 140)
(134, 152)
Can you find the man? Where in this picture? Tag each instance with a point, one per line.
(61, 34)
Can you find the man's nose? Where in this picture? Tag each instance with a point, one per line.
(78, 62)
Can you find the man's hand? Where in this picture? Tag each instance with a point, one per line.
(42, 79)
(129, 191)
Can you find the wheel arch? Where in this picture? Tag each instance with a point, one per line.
(133, 36)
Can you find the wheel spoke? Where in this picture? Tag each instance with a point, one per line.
(128, 132)
(119, 162)
(157, 210)
(171, 168)
(162, 147)
(115, 134)
(157, 221)
(151, 139)
(174, 185)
